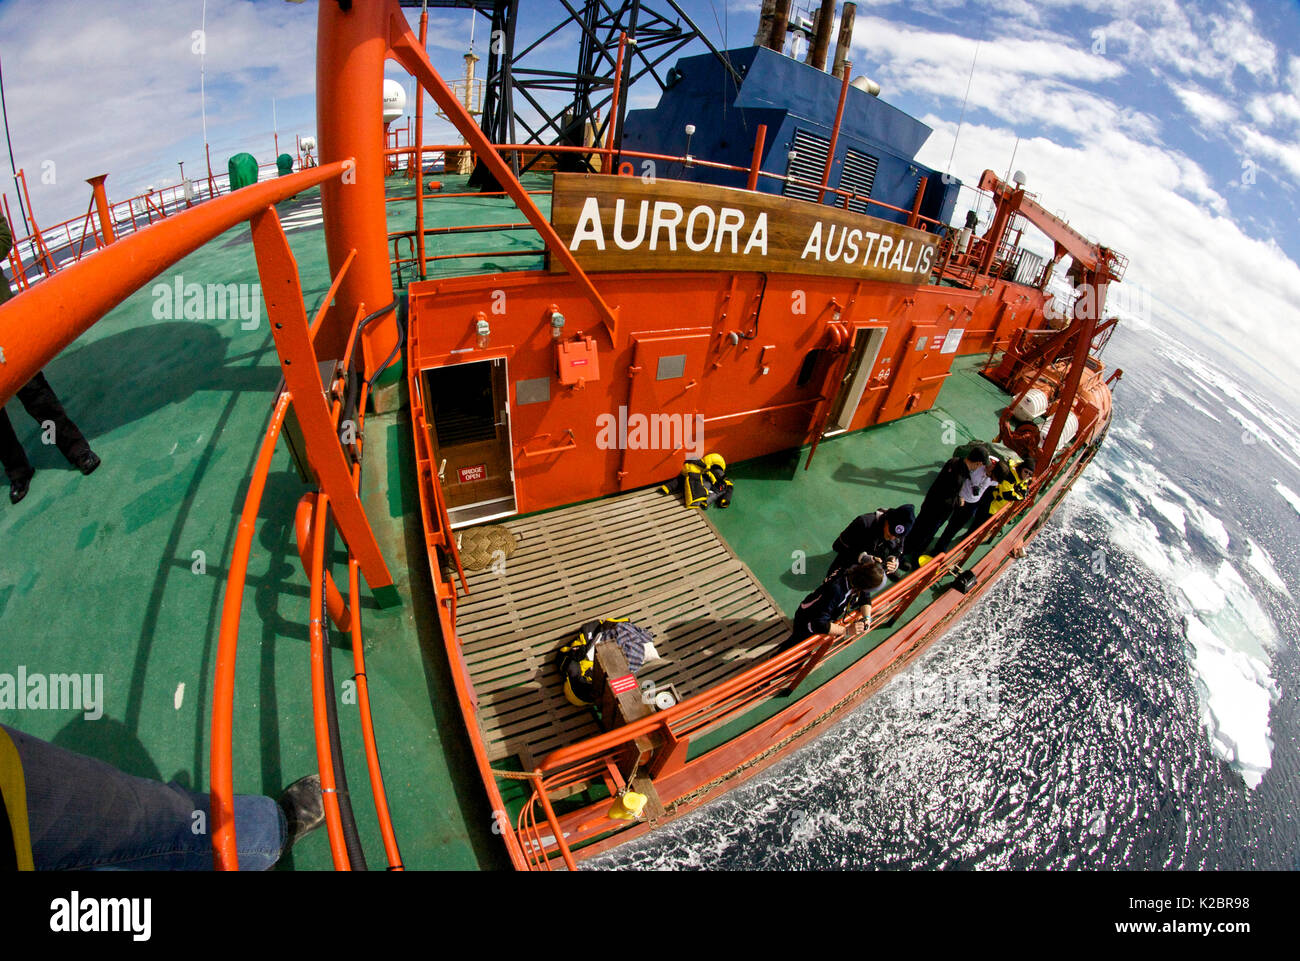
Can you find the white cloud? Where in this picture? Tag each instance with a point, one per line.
(99, 88)
(1215, 45)
(1212, 111)
(1285, 154)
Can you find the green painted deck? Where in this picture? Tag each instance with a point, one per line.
(98, 574)
(104, 575)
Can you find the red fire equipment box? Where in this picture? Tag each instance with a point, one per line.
(579, 363)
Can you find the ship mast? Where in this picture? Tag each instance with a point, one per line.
(466, 164)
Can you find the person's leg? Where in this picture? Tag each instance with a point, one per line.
(38, 397)
(86, 814)
(933, 513)
(981, 512)
(961, 516)
(17, 467)
(799, 631)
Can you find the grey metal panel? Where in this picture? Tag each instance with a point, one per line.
(857, 175)
(536, 391)
(809, 163)
(671, 366)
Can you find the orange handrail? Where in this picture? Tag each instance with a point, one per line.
(40, 322)
(320, 717)
(223, 685)
(687, 161)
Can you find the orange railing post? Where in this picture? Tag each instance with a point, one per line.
(610, 163)
(38, 240)
(282, 290)
(835, 131)
(755, 165)
(417, 158)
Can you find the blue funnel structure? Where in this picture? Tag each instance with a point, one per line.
(874, 156)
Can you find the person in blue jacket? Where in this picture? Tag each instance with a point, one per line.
(880, 534)
(832, 600)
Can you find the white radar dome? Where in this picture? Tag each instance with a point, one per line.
(394, 100)
(308, 143)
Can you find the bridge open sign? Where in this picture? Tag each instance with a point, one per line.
(469, 474)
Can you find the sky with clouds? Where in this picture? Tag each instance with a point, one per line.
(1167, 130)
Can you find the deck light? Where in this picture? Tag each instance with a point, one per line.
(482, 329)
(557, 323)
(690, 132)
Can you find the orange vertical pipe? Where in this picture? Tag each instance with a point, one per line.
(320, 720)
(222, 807)
(351, 47)
(756, 164)
(418, 156)
(835, 131)
(613, 103)
(101, 206)
(914, 217)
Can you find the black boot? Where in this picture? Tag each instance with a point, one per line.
(18, 489)
(303, 807)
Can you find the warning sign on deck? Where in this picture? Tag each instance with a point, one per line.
(475, 473)
(620, 685)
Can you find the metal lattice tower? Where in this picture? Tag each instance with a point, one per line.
(573, 107)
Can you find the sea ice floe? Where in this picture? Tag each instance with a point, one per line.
(1235, 702)
(1291, 496)
(1229, 635)
(1170, 512)
(1258, 558)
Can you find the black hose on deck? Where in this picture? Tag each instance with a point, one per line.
(356, 856)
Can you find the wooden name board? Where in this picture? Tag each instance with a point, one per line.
(623, 223)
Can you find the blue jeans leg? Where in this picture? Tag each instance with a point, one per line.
(87, 815)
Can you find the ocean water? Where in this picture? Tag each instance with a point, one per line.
(1124, 697)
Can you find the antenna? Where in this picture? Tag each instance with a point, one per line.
(203, 55)
(13, 167)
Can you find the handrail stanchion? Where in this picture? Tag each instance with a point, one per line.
(320, 721)
(222, 807)
(282, 290)
(756, 164)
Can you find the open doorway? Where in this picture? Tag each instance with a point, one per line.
(866, 347)
(468, 411)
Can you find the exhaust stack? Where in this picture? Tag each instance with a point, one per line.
(844, 44)
(822, 35)
(764, 33)
(780, 24)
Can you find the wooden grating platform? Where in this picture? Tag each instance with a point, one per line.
(640, 555)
